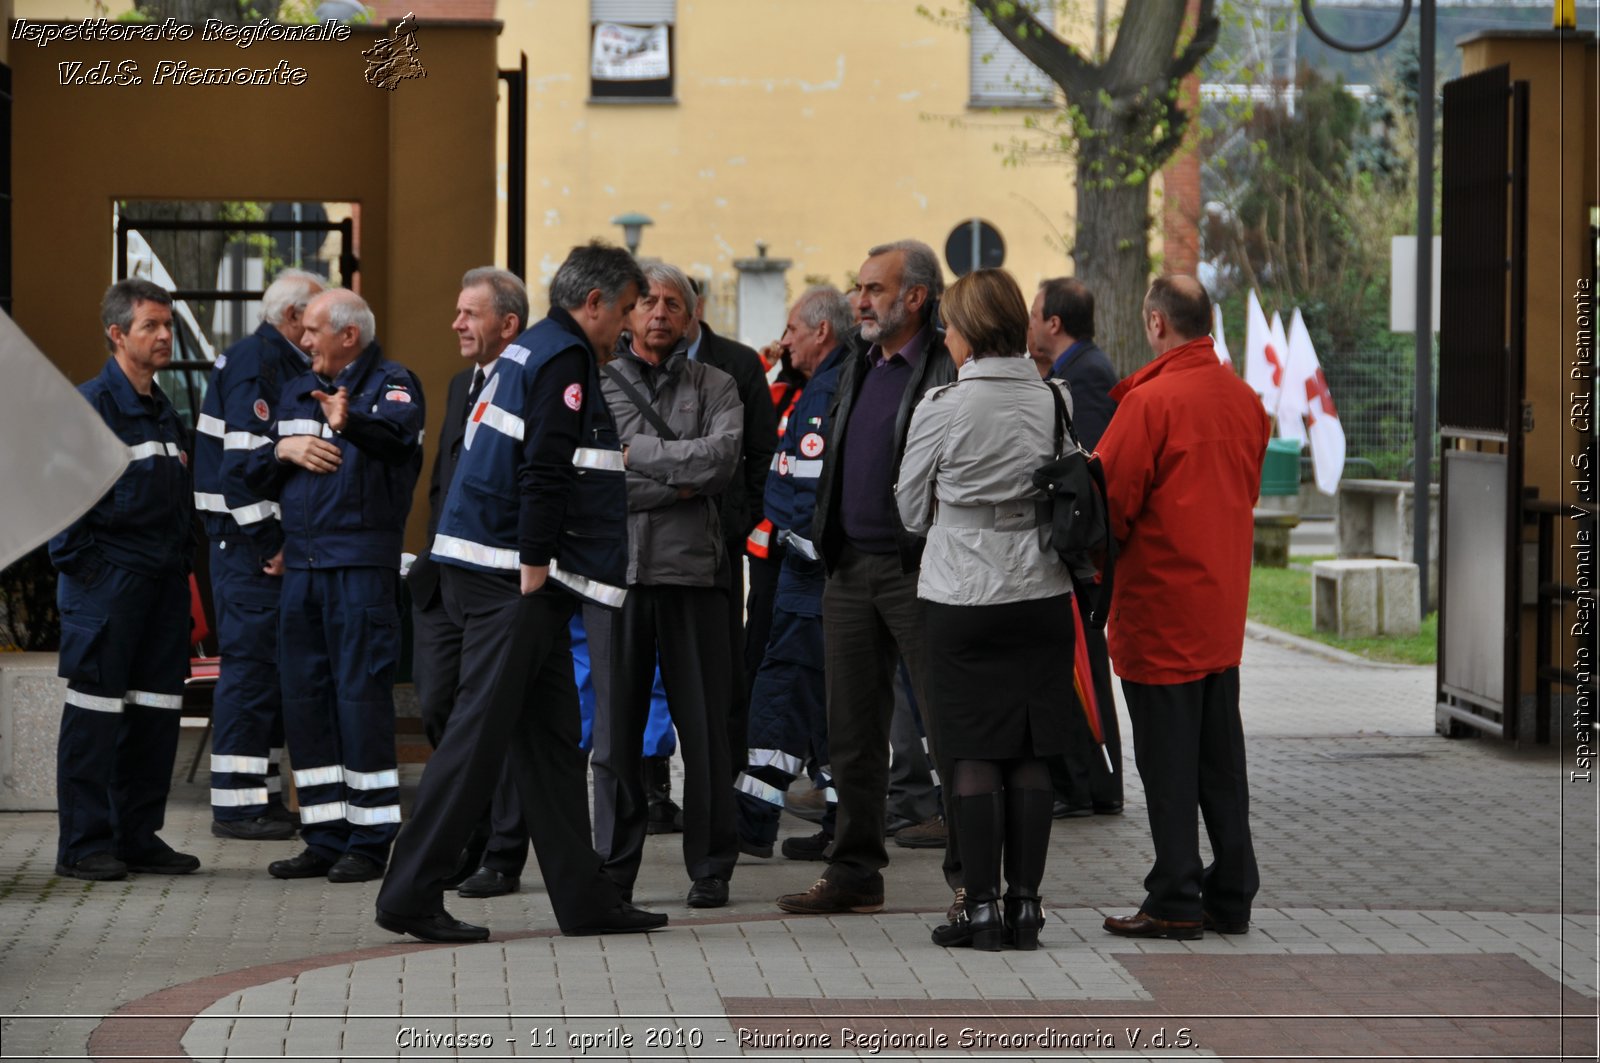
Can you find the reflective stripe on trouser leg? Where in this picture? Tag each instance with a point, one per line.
(247, 705)
(310, 722)
(365, 638)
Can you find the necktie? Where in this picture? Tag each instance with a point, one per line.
(472, 393)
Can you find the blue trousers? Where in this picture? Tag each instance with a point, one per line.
(247, 706)
(124, 654)
(339, 636)
(660, 740)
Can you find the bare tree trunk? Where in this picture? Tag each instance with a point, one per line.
(1112, 256)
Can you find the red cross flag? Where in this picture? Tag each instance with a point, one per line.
(1219, 341)
(1323, 429)
(1291, 403)
(1263, 361)
(60, 456)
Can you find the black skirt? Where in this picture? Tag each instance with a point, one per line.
(1000, 677)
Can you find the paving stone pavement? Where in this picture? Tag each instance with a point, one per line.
(1421, 897)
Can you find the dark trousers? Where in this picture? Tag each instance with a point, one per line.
(339, 631)
(499, 840)
(759, 602)
(1080, 775)
(516, 694)
(688, 627)
(738, 679)
(871, 617)
(1189, 747)
(124, 654)
(913, 789)
(247, 705)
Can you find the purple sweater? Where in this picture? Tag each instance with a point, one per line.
(866, 499)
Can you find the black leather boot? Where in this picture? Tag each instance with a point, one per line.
(662, 816)
(980, 823)
(1028, 815)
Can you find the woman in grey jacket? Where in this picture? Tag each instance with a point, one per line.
(998, 602)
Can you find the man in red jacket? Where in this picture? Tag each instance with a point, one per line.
(1183, 469)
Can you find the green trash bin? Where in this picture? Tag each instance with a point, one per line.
(1280, 471)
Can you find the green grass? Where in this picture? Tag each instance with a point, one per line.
(1281, 598)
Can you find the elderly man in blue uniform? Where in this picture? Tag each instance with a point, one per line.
(1061, 342)
(788, 712)
(535, 521)
(247, 563)
(124, 603)
(347, 454)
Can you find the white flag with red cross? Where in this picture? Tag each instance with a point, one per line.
(1307, 401)
(1263, 361)
(1218, 340)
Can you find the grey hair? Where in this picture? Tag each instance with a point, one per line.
(824, 303)
(510, 294)
(116, 308)
(346, 308)
(291, 289)
(662, 273)
(921, 265)
(594, 265)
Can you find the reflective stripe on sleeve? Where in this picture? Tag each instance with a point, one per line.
(372, 780)
(805, 468)
(776, 758)
(304, 427)
(502, 421)
(593, 458)
(367, 817)
(245, 798)
(758, 789)
(93, 701)
(776, 458)
(255, 513)
(592, 589)
(210, 503)
(323, 813)
(141, 451)
(318, 776)
(476, 553)
(211, 426)
(238, 765)
(244, 441)
(151, 700)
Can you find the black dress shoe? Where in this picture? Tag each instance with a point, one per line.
(1144, 925)
(1108, 808)
(96, 867)
(812, 847)
(353, 867)
(1225, 926)
(163, 861)
(623, 919)
(979, 926)
(306, 865)
(487, 882)
(260, 829)
(1066, 810)
(709, 892)
(281, 814)
(749, 848)
(441, 926)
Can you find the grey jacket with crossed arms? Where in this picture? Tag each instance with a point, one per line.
(674, 533)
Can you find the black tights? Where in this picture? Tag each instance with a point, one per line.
(974, 777)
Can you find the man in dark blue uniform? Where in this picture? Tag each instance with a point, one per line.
(1061, 341)
(788, 710)
(347, 454)
(124, 600)
(247, 564)
(535, 520)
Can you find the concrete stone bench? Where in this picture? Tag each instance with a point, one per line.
(31, 695)
(1272, 537)
(1365, 597)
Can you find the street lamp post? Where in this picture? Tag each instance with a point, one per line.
(633, 224)
(1422, 422)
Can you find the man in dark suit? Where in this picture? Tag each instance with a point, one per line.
(1061, 341)
(491, 311)
(740, 504)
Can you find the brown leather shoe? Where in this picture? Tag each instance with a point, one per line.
(827, 898)
(1144, 925)
(931, 833)
(1225, 926)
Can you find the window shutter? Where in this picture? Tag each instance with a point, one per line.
(634, 12)
(1007, 76)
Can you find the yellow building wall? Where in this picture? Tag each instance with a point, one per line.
(818, 127)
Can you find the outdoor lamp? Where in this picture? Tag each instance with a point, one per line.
(633, 224)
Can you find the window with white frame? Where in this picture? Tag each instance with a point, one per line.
(631, 50)
(1001, 75)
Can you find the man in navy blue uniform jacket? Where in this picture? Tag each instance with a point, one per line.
(124, 600)
(345, 457)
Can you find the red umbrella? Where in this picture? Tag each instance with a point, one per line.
(1083, 684)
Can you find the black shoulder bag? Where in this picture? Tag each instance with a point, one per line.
(1080, 520)
(663, 430)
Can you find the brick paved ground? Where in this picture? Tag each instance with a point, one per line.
(1448, 882)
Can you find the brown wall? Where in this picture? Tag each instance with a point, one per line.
(420, 162)
(1561, 76)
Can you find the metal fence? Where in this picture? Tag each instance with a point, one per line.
(1374, 392)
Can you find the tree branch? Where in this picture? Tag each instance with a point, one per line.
(1041, 47)
(1205, 38)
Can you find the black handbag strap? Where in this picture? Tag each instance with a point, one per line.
(1064, 429)
(663, 430)
(1100, 600)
